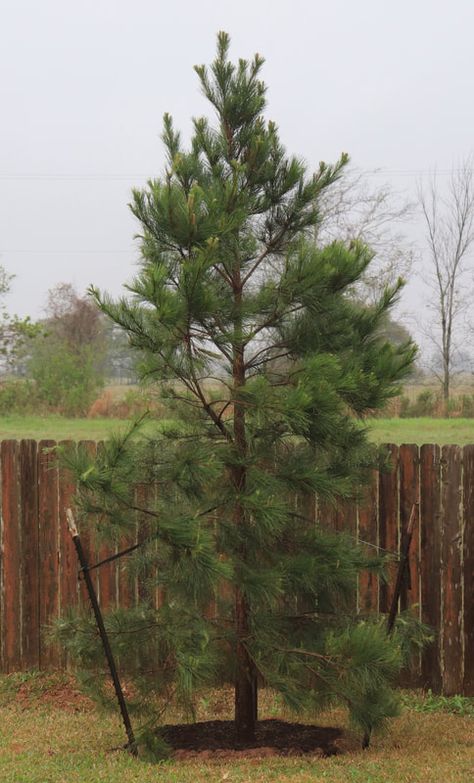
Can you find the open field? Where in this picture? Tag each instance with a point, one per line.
(424, 430)
(49, 735)
(58, 427)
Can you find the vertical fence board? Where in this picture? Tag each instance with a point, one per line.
(143, 496)
(368, 533)
(11, 557)
(346, 519)
(2, 591)
(430, 524)
(106, 574)
(126, 584)
(68, 582)
(89, 447)
(409, 494)
(48, 549)
(388, 521)
(346, 522)
(468, 513)
(29, 554)
(306, 505)
(38, 567)
(328, 515)
(107, 591)
(451, 491)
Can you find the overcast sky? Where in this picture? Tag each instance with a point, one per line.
(84, 85)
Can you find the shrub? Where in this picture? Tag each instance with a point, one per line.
(66, 382)
(404, 407)
(18, 396)
(467, 406)
(426, 404)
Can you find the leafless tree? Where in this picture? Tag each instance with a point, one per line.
(355, 208)
(449, 221)
(74, 318)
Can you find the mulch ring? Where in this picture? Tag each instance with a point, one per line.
(216, 739)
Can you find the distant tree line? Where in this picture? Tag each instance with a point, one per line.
(61, 362)
(66, 358)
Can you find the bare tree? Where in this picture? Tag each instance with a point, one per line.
(74, 318)
(355, 208)
(449, 222)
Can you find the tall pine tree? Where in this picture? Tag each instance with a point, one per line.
(269, 367)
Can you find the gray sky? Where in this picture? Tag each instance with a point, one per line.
(84, 85)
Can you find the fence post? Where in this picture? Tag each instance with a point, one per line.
(451, 489)
(11, 557)
(30, 564)
(430, 528)
(468, 512)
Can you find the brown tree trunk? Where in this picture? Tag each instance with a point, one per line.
(245, 677)
(446, 390)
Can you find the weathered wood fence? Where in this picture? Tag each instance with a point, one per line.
(38, 567)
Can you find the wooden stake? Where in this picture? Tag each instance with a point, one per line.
(402, 564)
(131, 745)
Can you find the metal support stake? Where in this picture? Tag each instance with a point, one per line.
(402, 565)
(131, 745)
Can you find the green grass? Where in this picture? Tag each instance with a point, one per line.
(41, 742)
(60, 428)
(433, 702)
(423, 430)
(442, 431)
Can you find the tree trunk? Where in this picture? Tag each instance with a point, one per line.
(245, 677)
(446, 380)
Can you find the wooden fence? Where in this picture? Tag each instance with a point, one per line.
(38, 568)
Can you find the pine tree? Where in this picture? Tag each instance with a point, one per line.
(269, 366)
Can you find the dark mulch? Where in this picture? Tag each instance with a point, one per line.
(216, 738)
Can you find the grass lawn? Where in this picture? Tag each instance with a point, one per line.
(423, 430)
(58, 427)
(459, 431)
(47, 738)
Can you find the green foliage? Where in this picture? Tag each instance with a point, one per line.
(152, 746)
(15, 332)
(232, 285)
(467, 406)
(429, 403)
(433, 702)
(412, 635)
(65, 381)
(426, 404)
(18, 396)
(66, 360)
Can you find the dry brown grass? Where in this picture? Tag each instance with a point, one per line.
(42, 742)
